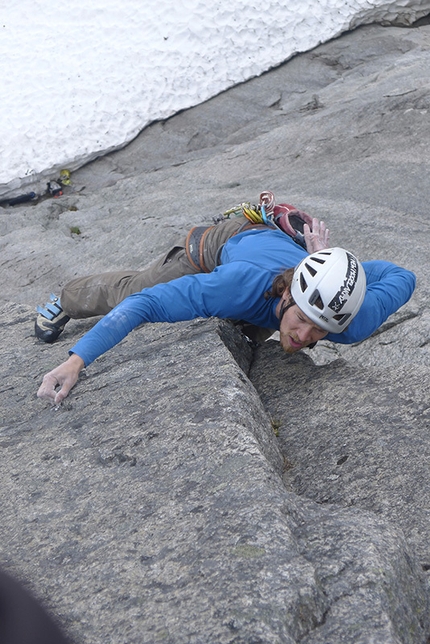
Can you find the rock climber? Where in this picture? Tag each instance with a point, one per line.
(267, 266)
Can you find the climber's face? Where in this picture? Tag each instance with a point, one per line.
(297, 331)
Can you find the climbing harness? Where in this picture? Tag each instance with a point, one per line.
(262, 215)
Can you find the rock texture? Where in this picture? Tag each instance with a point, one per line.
(192, 488)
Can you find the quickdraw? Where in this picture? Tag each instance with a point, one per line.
(262, 213)
(282, 216)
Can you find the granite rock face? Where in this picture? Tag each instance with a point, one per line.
(157, 504)
(194, 488)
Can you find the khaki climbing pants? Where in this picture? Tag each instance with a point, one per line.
(98, 294)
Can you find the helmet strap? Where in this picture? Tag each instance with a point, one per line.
(284, 308)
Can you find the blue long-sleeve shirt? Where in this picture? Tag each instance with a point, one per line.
(235, 290)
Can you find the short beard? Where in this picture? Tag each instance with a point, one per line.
(287, 348)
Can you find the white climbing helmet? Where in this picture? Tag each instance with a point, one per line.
(329, 287)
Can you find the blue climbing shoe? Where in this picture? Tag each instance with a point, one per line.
(51, 320)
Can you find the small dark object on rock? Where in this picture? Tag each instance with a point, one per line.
(28, 196)
(54, 189)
